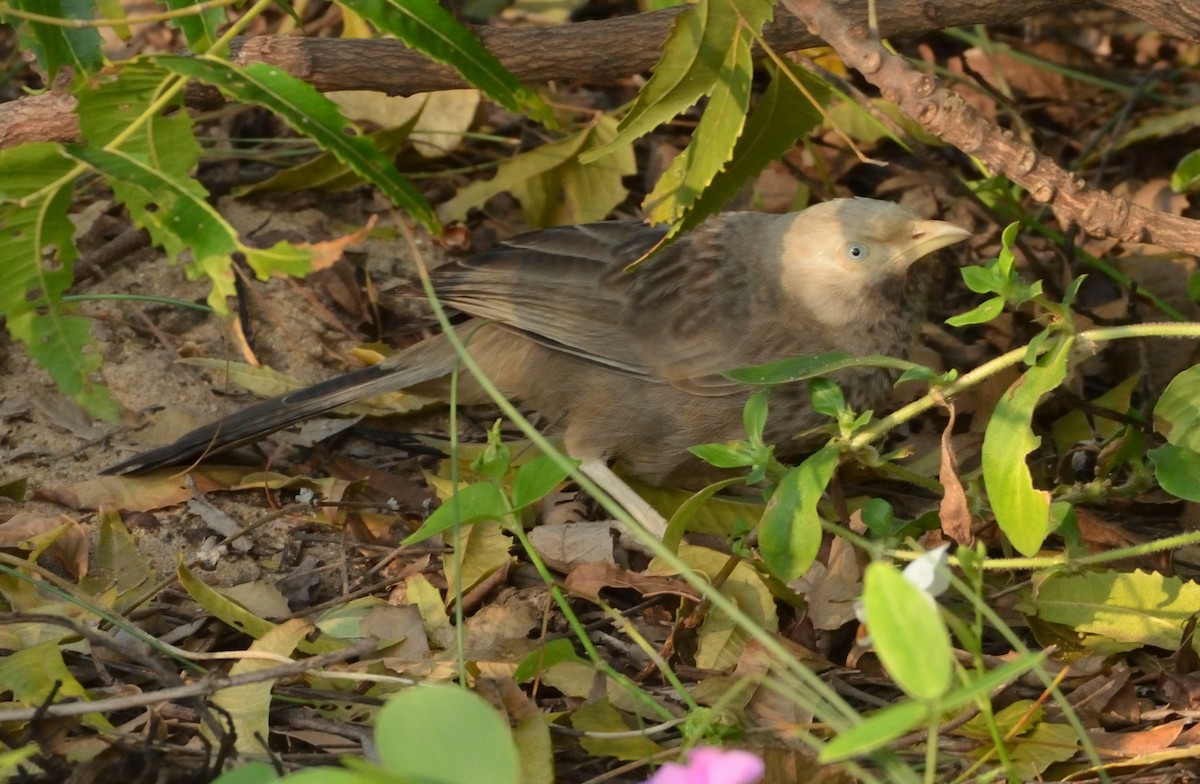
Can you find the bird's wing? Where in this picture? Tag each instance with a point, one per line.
(551, 285)
(680, 317)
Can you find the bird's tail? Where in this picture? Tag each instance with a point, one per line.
(426, 361)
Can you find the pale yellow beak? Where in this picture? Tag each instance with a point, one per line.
(928, 236)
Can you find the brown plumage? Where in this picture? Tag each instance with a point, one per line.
(629, 362)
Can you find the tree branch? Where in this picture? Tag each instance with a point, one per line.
(924, 98)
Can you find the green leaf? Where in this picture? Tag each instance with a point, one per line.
(811, 366)
(984, 312)
(472, 504)
(1187, 174)
(545, 657)
(177, 215)
(908, 633)
(309, 113)
(1076, 425)
(236, 616)
(326, 172)
(431, 29)
(876, 731)
(1146, 608)
(782, 115)
(9, 760)
(31, 675)
(1177, 412)
(713, 141)
(113, 101)
(1177, 470)
(981, 280)
(731, 455)
(692, 60)
(331, 776)
(202, 28)
(252, 773)
(827, 397)
(38, 247)
(884, 726)
(420, 734)
(57, 46)
(789, 534)
(551, 183)
(682, 517)
(248, 706)
(754, 415)
(535, 479)
(1022, 512)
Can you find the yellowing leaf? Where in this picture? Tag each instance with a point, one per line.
(551, 183)
(1140, 607)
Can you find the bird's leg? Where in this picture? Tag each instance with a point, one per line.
(637, 507)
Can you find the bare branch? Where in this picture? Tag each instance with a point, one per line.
(924, 98)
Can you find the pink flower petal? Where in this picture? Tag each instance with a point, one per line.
(673, 773)
(707, 765)
(720, 766)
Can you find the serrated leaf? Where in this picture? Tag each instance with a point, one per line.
(783, 115)
(713, 141)
(551, 183)
(201, 28)
(811, 366)
(57, 46)
(326, 172)
(1146, 608)
(431, 29)
(1022, 511)
(38, 247)
(309, 113)
(690, 66)
(789, 534)
(174, 211)
(111, 102)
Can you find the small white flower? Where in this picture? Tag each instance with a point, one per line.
(928, 572)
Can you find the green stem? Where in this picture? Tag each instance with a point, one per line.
(988, 369)
(839, 715)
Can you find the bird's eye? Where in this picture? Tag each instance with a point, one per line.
(856, 251)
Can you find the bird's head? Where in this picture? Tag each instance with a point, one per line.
(836, 252)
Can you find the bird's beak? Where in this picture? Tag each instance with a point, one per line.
(928, 236)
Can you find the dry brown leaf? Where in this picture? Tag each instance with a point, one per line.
(832, 587)
(954, 509)
(22, 532)
(155, 490)
(587, 580)
(568, 545)
(1134, 744)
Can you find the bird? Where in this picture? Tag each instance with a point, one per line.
(627, 353)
